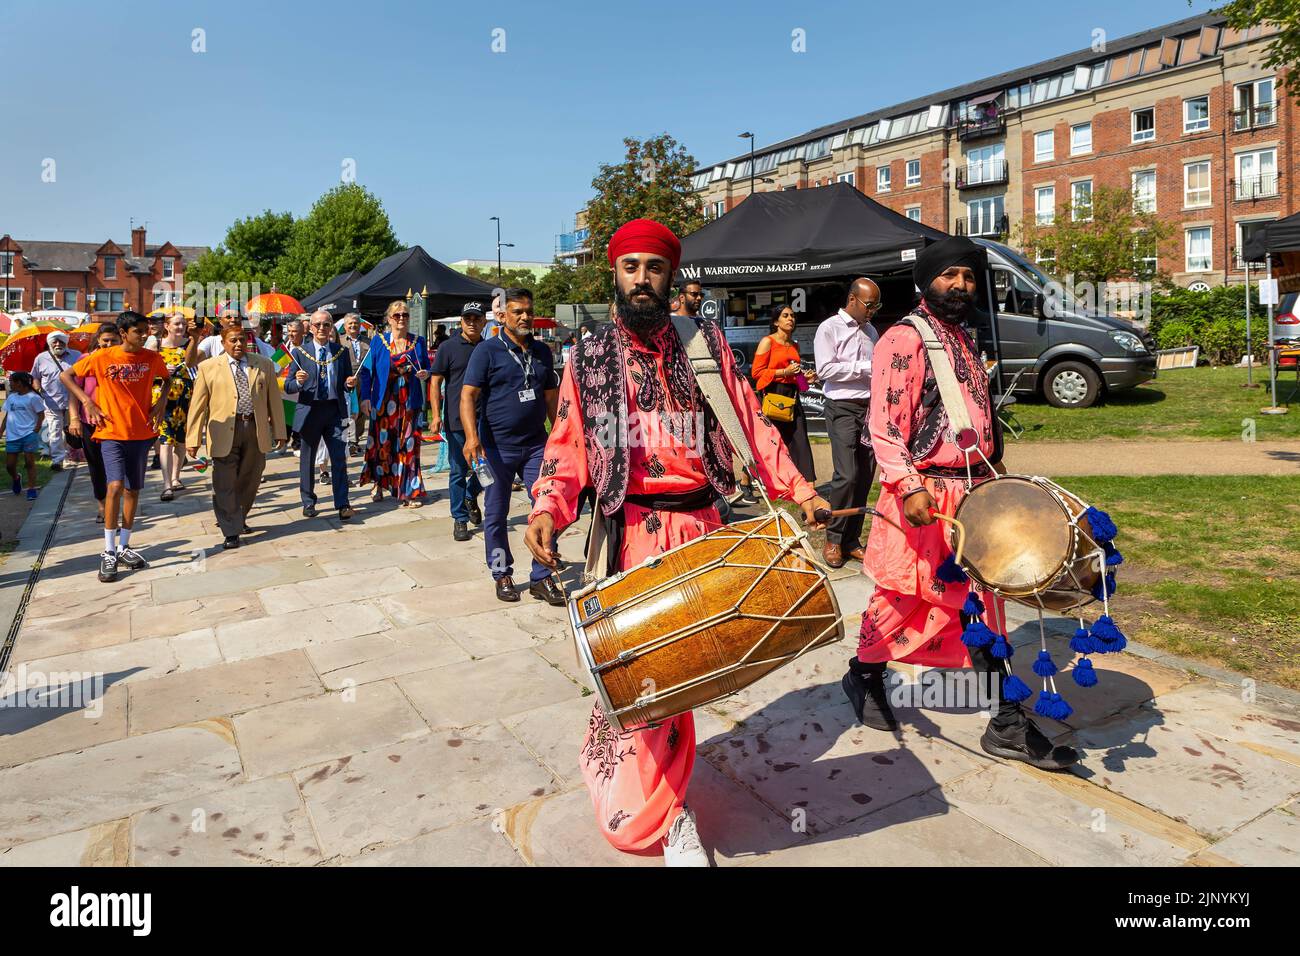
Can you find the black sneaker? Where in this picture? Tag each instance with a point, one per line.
(1025, 742)
(108, 566)
(132, 559)
(747, 496)
(869, 696)
(460, 532)
(475, 515)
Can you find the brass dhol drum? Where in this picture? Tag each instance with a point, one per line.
(1028, 539)
(702, 621)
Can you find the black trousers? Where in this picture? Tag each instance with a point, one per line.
(94, 462)
(854, 465)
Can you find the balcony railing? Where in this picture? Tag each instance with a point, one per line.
(979, 128)
(1263, 186)
(999, 228)
(988, 172)
(1253, 117)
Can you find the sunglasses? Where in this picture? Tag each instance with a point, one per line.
(400, 315)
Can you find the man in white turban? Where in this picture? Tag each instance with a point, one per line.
(56, 358)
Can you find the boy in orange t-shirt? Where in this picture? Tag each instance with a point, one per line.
(126, 419)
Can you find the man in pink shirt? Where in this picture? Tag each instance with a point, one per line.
(843, 347)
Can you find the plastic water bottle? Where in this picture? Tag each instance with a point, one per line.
(484, 472)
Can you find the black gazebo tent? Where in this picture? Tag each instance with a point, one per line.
(411, 270)
(1280, 236)
(1278, 241)
(324, 296)
(804, 235)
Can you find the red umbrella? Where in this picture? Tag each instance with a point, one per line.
(273, 303)
(21, 348)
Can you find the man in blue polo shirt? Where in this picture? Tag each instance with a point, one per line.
(449, 364)
(511, 380)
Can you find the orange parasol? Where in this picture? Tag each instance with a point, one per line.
(21, 348)
(273, 303)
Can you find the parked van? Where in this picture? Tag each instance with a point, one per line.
(1071, 357)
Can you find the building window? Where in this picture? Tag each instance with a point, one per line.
(109, 300)
(1045, 205)
(1044, 146)
(6, 265)
(1144, 190)
(1146, 260)
(985, 216)
(882, 179)
(110, 267)
(913, 172)
(15, 303)
(1255, 105)
(1045, 259)
(1245, 232)
(914, 213)
(1080, 139)
(1196, 114)
(1144, 125)
(1199, 249)
(849, 178)
(1081, 200)
(719, 208)
(47, 298)
(70, 300)
(1256, 174)
(1196, 184)
(169, 267)
(986, 165)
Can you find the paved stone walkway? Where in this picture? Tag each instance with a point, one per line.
(356, 695)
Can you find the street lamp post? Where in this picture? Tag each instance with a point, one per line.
(508, 245)
(750, 136)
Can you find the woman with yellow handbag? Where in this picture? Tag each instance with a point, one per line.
(779, 377)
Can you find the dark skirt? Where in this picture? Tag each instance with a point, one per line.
(795, 435)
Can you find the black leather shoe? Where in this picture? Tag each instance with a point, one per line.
(475, 515)
(309, 511)
(547, 590)
(506, 589)
(869, 696)
(1024, 741)
(460, 532)
(232, 541)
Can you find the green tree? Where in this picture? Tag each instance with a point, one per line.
(1102, 242)
(510, 278)
(347, 228)
(652, 181)
(249, 253)
(1284, 50)
(554, 287)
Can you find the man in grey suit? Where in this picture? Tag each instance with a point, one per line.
(320, 374)
(355, 342)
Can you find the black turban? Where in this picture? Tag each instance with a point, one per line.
(938, 256)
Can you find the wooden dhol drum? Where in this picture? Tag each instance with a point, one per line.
(1028, 539)
(703, 620)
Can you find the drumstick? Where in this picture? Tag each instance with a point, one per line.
(825, 514)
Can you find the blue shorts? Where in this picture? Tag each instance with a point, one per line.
(29, 444)
(126, 461)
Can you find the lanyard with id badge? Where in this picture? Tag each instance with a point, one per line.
(527, 393)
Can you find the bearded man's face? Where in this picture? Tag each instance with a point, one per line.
(641, 284)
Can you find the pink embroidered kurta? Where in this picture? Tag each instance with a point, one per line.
(638, 780)
(912, 615)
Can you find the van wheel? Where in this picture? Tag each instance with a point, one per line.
(1072, 385)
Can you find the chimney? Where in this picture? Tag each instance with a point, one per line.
(137, 241)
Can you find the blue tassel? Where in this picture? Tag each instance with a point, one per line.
(1113, 558)
(1110, 639)
(1059, 708)
(977, 634)
(1014, 689)
(1081, 643)
(973, 607)
(1103, 529)
(1043, 706)
(1044, 666)
(1109, 583)
(950, 572)
(1083, 673)
(1001, 648)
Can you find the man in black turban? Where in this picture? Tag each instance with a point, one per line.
(945, 273)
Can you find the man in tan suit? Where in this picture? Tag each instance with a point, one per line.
(237, 402)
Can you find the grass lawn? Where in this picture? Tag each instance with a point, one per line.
(1201, 403)
(1211, 567)
(14, 508)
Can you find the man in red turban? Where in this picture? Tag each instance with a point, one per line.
(654, 494)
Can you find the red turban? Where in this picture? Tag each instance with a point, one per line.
(645, 235)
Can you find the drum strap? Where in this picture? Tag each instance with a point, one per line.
(709, 377)
(950, 393)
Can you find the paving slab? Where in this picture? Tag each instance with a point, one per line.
(235, 579)
(478, 691)
(1232, 712)
(485, 634)
(561, 830)
(263, 822)
(369, 558)
(337, 589)
(52, 636)
(29, 733)
(220, 690)
(183, 616)
(110, 601)
(554, 735)
(373, 657)
(476, 843)
(105, 844)
(299, 733)
(400, 792)
(439, 603)
(51, 795)
(1272, 840)
(282, 632)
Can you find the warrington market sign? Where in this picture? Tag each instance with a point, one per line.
(756, 269)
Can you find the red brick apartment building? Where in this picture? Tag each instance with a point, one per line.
(91, 277)
(1185, 115)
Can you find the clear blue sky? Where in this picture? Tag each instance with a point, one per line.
(443, 130)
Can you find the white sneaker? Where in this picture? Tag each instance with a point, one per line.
(682, 846)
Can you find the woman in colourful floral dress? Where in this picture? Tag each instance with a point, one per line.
(392, 390)
(179, 350)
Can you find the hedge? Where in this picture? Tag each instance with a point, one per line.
(1214, 319)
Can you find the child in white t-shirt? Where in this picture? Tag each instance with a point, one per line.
(21, 419)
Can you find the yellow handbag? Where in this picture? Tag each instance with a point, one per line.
(778, 408)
